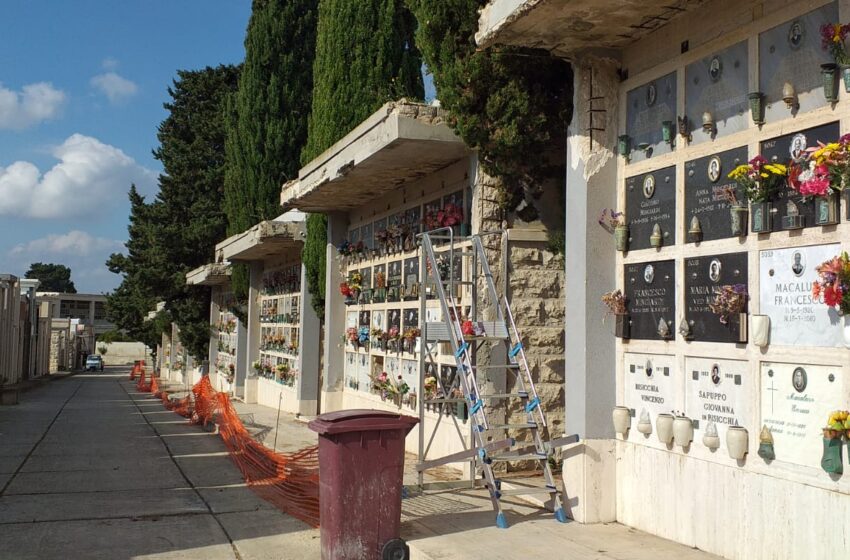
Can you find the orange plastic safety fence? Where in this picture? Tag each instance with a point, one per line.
(155, 387)
(133, 373)
(141, 386)
(288, 480)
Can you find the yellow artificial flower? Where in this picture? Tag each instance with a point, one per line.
(740, 171)
(776, 169)
(764, 175)
(836, 33)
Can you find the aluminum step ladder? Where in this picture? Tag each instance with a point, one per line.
(490, 442)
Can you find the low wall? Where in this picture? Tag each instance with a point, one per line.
(121, 353)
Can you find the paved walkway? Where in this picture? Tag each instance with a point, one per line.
(89, 468)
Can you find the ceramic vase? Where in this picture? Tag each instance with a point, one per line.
(621, 238)
(683, 431)
(760, 329)
(664, 428)
(737, 442)
(622, 417)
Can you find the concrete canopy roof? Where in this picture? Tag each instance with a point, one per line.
(399, 143)
(566, 26)
(263, 241)
(213, 274)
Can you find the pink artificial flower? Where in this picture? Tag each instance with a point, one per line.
(818, 184)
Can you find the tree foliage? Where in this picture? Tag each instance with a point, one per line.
(179, 229)
(52, 277)
(512, 104)
(366, 55)
(267, 116)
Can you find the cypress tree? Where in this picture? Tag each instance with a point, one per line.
(365, 56)
(267, 117)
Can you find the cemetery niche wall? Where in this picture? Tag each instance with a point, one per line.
(735, 356)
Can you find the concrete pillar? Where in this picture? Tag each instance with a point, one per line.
(308, 355)
(590, 381)
(215, 309)
(333, 376)
(246, 379)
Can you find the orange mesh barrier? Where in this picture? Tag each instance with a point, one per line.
(290, 481)
(155, 387)
(133, 372)
(141, 385)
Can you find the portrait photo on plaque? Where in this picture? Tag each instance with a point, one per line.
(786, 277)
(651, 201)
(710, 193)
(650, 293)
(717, 85)
(791, 53)
(715, 287)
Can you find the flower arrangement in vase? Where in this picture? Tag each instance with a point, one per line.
(823, 174)
(832, 287)
(618, 307)
(449, 215)
(731, 300)
(761, 181)
(832, 40)
(615, 223)
(737, 211)
(352, 336)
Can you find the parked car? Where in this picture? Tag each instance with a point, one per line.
(94, 363)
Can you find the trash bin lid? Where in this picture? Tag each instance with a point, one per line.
(361, 420)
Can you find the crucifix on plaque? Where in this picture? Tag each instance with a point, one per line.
(772, 389)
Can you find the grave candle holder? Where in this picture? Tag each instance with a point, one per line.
(656, 239)
(756, 107)
(684, 129)
(695, 230)
(789, 96)
(644, 424)
(827, 73)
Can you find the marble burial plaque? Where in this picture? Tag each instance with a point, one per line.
(351, 319)
(411, 319)
(705, 181)
(782, 150)
(717, 391)
(785, 295)
(379, 320)
(410, 374)
(704, 278)
(394, 319)
(718, 84)
(650, 200)
(647, 107)
(366, 235)
(791, 52)
(363, 371)
(650, 385)
(650, 288)
(365, 319)
(796, 400)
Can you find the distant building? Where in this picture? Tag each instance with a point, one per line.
(86, 315)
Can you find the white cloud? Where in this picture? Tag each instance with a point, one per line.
(89, 177)
(114, 87)
(33, 104)
(74, 243)
(109, 63)
(82, 252)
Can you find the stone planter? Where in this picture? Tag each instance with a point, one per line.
(622, 418)
(737, 442)
(621, 238)
(664, 428)
(683, 431)
(760, 217)
(738, 215)
(760, 328)
(826, 210)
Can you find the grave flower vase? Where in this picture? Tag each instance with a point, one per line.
(760, 328)
(737, 442)
(622, 326)
(738, 220)
(846, 330)
(827, 72)
(621, 238)
(742, 328)
(760, 217)
(845, 74)
(622, 418)
(826, 209)
(664, 428)
(831, 461)
(683, 431)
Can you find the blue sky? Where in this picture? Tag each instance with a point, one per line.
(82, 85)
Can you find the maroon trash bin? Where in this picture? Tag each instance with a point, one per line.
(361, 468)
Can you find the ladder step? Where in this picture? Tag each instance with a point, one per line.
(523, 457)
(521, 395)
(523, 426)
(503, 366)
(527, 491)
